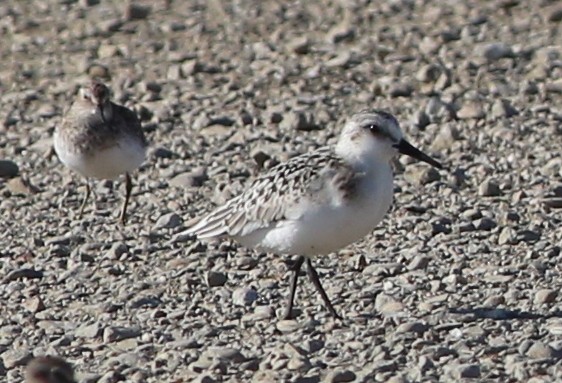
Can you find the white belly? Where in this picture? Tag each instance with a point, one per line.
(328, 228)
(125, 156)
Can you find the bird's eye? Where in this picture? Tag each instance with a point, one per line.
(374, 129)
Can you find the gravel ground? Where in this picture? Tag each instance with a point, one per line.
(462, 279)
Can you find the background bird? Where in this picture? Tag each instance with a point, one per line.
(49, 369)
(100, 139)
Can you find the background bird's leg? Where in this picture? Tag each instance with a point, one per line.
(128, 188)
(316, 280)
(294, 278)
(86, 196)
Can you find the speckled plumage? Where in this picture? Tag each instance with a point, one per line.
(93, 133)
(85, 130)
(49, 369)
(100, 139)
(272, 196)
(318, 202)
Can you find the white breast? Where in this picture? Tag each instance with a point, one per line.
(126, 155)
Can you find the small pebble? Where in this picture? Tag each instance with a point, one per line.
(244, 296)
(489, 188)
(340, 376)
(545, 296)
(215, 278)
(168, 221)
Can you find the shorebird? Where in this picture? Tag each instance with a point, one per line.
(49, 369)
(318, 202)
(100, 139)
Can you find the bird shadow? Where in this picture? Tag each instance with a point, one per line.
(504, 314)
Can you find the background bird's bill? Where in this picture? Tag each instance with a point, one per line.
(405, 147)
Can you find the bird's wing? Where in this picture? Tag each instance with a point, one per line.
(318, 177)
(130, 122)
(87, 128)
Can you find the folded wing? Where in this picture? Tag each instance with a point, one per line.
(286, 192)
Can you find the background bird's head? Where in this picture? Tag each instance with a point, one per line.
(97, 95)
(49, 369)
(96, 92)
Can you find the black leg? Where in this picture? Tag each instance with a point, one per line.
(294, 278)
(316, 280)
(86, 196)
(128, 188)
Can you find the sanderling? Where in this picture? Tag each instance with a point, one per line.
(318, 202)
(100, 139)
(49, 369)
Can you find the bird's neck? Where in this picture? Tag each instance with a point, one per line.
(363, 159)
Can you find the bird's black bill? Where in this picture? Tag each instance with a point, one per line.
(405, 147)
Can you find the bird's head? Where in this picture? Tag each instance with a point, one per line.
(377, 133)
